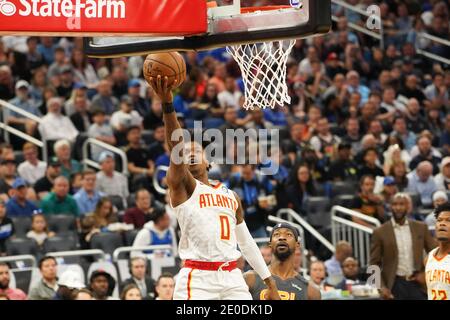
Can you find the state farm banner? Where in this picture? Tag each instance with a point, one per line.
(103, 17)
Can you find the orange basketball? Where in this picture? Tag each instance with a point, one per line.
(170, 64)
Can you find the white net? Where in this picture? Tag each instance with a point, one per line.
(263, 68)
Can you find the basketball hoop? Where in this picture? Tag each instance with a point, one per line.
(263, 68)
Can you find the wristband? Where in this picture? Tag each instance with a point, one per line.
(168, 108)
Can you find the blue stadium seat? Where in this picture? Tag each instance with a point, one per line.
(213, 123)
(189, 123)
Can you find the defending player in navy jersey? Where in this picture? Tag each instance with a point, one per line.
(284, 240)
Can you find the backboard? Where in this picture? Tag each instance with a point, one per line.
(228, 22)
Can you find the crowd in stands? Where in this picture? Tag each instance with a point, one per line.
(365, 122)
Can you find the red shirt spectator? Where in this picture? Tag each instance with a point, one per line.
(12, 294)
(142, 213)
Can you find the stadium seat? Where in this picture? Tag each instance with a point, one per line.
(323, 189)
(344, 200)
(131, 200)
(415, 197)
(216, 123)
(12, 280)
(18, 156)
(62, 224)
(21, 226)
(343, 187)
(147, 136)
(56, 244)
(35, 277)
(16, 247)
(117, 201)
(318, 211)
(22, 279)
(189, 123)
(108, 241)
(108, 267)
(130, 236)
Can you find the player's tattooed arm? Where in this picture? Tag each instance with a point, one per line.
(180, 181)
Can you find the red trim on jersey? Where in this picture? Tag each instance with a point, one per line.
(439, 259)
(210, 266)
(189, 284)
(217, 185)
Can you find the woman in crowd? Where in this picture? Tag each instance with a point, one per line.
(131, 292)
(300, 188)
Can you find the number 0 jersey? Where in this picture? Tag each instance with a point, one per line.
(437, 272)
(208, 221)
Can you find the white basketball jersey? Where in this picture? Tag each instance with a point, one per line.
(437, 274)
(208, 221)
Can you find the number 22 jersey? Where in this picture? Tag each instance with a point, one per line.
(437, 273)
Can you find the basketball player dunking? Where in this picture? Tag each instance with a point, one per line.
(437, 266)
(291, 285)
(211, 222)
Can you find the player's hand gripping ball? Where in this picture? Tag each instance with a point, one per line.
(167, 64)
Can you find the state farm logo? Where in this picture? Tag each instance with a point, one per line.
(65, 8)
(7, 8)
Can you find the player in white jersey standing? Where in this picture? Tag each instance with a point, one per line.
(437, 266)
(211, 221)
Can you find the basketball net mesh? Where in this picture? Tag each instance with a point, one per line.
(263, 68)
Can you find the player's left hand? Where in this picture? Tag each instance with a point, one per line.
(272, 290)
(161, 88)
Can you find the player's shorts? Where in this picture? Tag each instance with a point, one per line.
(195, 284)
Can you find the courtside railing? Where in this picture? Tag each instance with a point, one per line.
(379, 35)
(89, 162)
(8, 130)
(294, 216)
(428, 53)
(157, 263)
(78, 253)
(358, 235)
(376, 35)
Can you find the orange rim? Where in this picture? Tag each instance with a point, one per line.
(265, 8)
(211, 4)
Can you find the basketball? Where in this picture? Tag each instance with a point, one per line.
(167, 64)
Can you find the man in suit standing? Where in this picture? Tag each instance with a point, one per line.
(138, 269)
(397, 248)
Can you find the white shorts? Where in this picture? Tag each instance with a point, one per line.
(195, 284)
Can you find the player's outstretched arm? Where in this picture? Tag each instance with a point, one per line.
(251, 253)
(180, 181)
